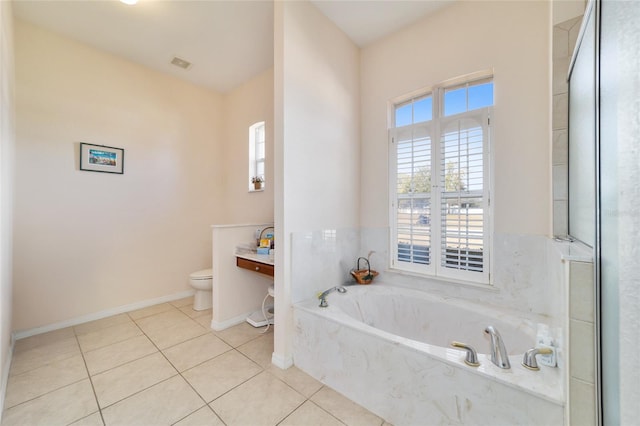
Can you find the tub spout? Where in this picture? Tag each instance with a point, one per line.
(323, 296)
(499, 354)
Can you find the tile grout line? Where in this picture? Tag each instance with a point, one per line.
(95, 395)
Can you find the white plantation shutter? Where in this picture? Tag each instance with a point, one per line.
(464, 193)
(439, 185)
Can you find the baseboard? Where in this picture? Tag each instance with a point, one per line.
(223, 325)
(5, 375)
(281, 362)
(21, 334)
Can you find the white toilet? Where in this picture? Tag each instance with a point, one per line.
(202, 282)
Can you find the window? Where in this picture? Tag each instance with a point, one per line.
(256, 156)
(440, 181)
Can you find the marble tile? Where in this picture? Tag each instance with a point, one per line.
(61, 406)
(37, 356)
(221, 374)
(560, 42)
(574, 32)
(581, 291)
(108, 336)
(36, 382)
(297, 379)
(259, 350)
(560, 75)
(151, 310)
(561, 182)
(581, 348)
(560, 116)
(195, 351)
(120, 353)
(344, 409)
(204, 416)
(239, 334)
(123, 381)
(560, 152)
(560, 217)
(174, 333)
(277, 402)
(101, 324)
(164, 404)
(570, 23)
(582, 403)
(310, 414)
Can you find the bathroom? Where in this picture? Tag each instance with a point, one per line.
(326, 184)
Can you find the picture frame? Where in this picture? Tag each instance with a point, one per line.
(101, 158)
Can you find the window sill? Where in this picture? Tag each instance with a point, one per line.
(256, 190)
(444, 280)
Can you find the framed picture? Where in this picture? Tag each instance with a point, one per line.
(100, 158)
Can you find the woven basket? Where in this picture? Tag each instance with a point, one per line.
(363, 276)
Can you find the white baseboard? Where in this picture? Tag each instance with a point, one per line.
(5, 376)
(223, 325)
(281, 362)
(21, 334)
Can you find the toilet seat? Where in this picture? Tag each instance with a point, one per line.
(205, 274)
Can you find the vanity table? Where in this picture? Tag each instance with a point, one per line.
(260, 263)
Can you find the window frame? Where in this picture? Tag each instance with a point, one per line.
(254, 159)
(438, 121)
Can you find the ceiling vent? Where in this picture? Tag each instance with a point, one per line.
(178, 62)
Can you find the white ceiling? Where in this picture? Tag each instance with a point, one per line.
(227, 41)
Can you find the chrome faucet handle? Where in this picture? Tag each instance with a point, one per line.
(471, 357)
(529, 358)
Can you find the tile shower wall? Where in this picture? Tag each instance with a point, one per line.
(565, 35)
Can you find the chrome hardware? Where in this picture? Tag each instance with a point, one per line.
(323, 296)
(499, 354)
(472, 357)
(529, 359)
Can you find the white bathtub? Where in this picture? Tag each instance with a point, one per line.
(387, 348)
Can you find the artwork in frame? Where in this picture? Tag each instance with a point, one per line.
(100, 158)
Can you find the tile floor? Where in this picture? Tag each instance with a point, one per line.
(163, 365)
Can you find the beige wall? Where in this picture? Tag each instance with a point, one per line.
(513, 39)
(7, 144)
(87, 242)
(317, 139)
(246, 105)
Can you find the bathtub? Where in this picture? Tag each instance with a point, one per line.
(388, 349)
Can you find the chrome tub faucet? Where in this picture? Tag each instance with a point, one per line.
(323, 296)
(499, 354)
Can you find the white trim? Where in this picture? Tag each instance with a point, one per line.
(223, 325)
(281, 362)
(5, 375)
(21, 334)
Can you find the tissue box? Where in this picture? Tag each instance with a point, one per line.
(263, 250)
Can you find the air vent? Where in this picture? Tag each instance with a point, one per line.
(178, 62)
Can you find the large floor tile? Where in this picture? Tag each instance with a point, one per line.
(259, 350)
(205, 320)
(175, 333)
(108, 357)
(101, 324)
(192, 313)
(239, 334)
(152, 311)
(162, 404)
(310, 414)
(297, 379)
(94, 419)
(344, 409)
(37, 356)
(204, 416)
(123, 381)
(263, 400)
(182, 302)
(162, 320)
(195, 351)
(217, 376)
(43, 339)
(36, 382)
(60, 407)
(108, 336)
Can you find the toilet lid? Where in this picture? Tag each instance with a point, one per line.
(205, 274)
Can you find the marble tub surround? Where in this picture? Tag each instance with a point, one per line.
(373, 366)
